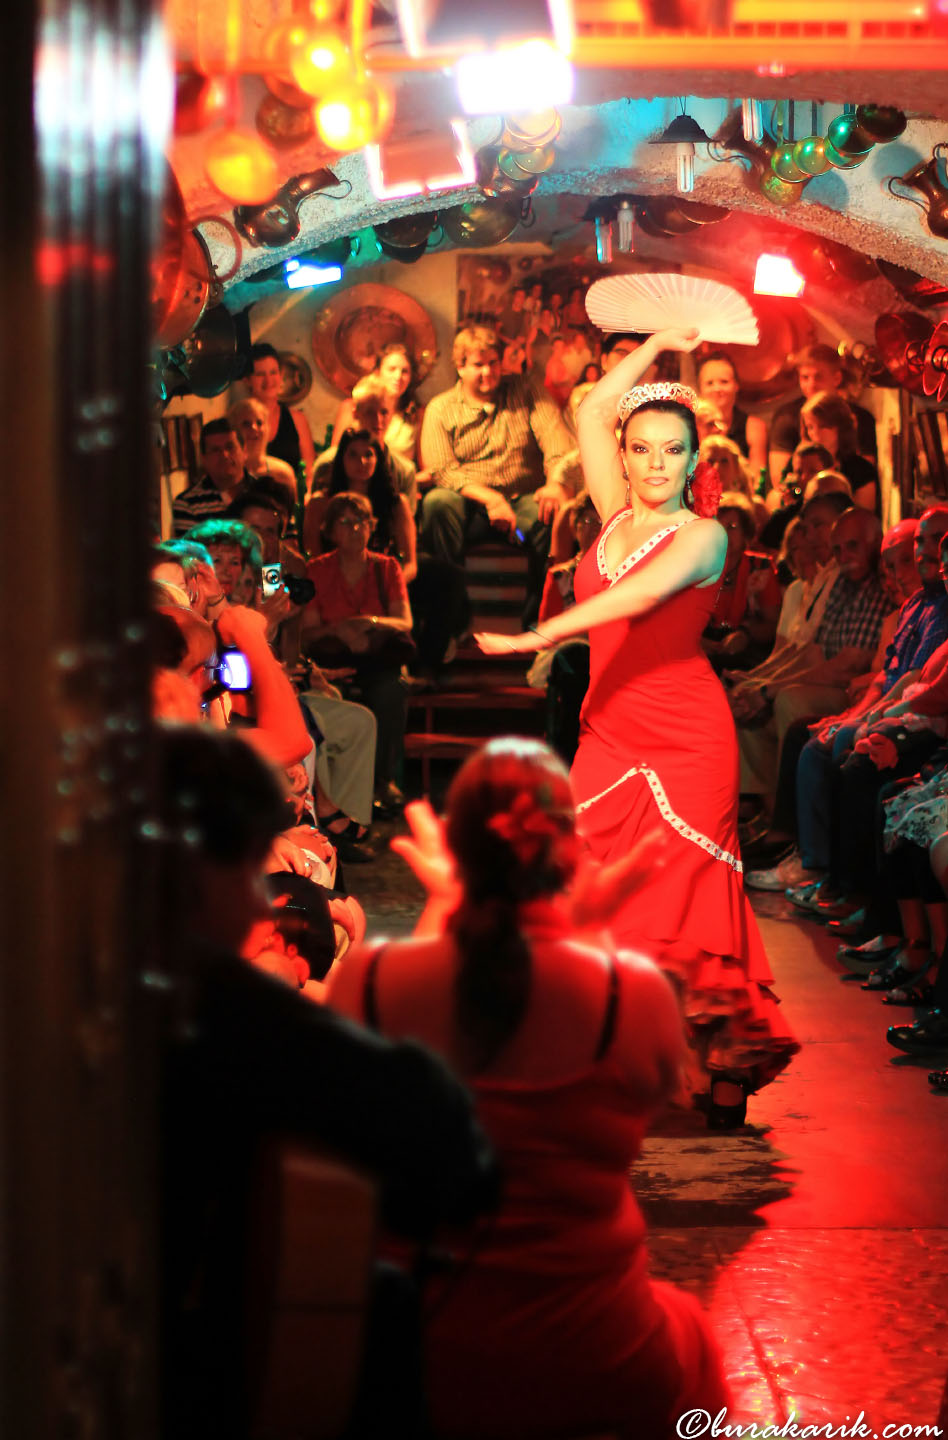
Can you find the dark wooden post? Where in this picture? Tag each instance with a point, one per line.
(82, 158)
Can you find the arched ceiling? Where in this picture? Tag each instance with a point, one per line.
(604, 150)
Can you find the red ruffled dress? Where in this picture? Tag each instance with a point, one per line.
(657, 746)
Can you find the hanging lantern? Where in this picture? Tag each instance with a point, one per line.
(354, 114)
(839, 161)
(882, 122)
(319, 61)
(684, 133)
(846, 137)
(781, 192)
(241, 166)
(809, 155)
(284, 126)
(784, 165)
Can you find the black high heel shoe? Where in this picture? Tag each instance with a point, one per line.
(730, 1115)
(938, 1080)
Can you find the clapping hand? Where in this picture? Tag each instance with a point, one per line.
(598, 891)
(426, 851)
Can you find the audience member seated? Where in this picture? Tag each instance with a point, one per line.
(233, 547)
(370, 411)
(709, 420)
(288, 435)
(899, 577)
(829, 421)
(489, 442)
(245, 1061)
(396, 370)
(810, 679)
(249, 418)
(359, 464)
(265, 508)
(359, 623)
(224, 464)
(718, 382)
(743, 624)
(514, 320)
(734, 472)
(564, 669)
(785, 499)
(436, 589)
(549, 1325)
(796, 566)
(843, 768)
(911, 823)
(819, 370)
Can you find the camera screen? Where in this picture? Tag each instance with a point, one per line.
(234, 670)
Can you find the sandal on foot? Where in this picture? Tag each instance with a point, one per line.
(351, 830)
(896, 975)
(919, 994)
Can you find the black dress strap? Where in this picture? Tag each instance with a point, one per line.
(370, 1003)
(612, 1011)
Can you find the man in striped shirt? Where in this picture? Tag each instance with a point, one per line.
(498, 451)
(223, 457)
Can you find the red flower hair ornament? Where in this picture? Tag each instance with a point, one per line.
(703, 490)
(531, 832)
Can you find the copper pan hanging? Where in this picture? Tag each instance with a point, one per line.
(935, 367)
(900, 340)
(181, 273)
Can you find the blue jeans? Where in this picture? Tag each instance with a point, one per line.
(817, 794)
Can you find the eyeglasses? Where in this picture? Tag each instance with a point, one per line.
(352, 523)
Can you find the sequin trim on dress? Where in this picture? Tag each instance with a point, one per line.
(688, 832)
(631, 560)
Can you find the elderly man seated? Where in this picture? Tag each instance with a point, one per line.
(496, 448)
(809, 678)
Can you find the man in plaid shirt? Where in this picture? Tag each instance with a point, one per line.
(498, 451)
(813, 679)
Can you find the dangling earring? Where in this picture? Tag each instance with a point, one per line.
(626, 474)
(689, 494)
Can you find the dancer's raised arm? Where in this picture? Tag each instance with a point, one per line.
(596, 418)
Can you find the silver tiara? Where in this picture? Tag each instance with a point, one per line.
(668, 390)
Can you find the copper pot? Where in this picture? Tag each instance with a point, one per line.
(180, 272)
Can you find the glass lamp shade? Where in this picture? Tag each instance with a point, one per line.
(242, 166)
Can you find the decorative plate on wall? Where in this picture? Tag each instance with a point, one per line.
(297, 378)
(353, 329)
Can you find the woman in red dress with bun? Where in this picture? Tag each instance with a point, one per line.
(657, 741)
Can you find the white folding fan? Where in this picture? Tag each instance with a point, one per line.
(656, 302)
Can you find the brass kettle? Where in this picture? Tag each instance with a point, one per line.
(925, 179)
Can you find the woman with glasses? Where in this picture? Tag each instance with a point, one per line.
(359, 621)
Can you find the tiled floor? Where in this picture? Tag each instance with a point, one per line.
(817, 1237)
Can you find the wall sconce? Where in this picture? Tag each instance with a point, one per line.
(684, 133)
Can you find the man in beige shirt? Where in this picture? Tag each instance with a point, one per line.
(498, 452)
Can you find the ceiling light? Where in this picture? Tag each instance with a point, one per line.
(684, 133)
(440, 160)
(517, 78)
(777, 275)
(299, 275)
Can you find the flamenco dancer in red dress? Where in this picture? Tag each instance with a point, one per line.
(657, 742)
